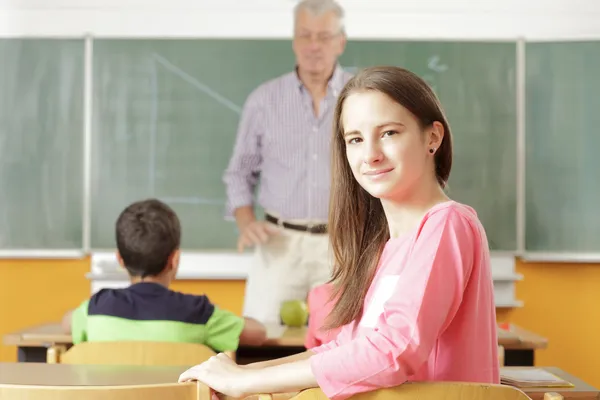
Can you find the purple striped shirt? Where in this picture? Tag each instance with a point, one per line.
(281, 138)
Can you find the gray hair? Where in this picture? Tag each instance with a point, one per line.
(318, 7)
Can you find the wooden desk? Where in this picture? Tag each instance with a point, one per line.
(581, 391)
(36, 335)
(521, 352)
(519, 344)
(104, 375)
(48, 334)
(86, 375)
(32, 342)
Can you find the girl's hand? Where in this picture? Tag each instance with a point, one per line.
(221, 374)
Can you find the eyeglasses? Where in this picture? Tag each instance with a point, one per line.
(322, 37)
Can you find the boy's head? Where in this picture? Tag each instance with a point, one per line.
(148, 237)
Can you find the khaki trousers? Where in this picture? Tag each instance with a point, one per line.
(285, 268)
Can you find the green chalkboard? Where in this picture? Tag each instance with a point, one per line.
(41, 144)
(166, 113)
(562, 142)
(164, 125)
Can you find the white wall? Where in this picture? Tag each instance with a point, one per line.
(417, 19)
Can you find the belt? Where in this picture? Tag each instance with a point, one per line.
(320, 228)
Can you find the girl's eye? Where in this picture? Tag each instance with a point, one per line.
(389, 133)
(354, 140)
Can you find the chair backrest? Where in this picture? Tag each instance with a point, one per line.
(179, 391)
(426, 391)
(137, 353)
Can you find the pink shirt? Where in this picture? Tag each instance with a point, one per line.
(429, 314)
(319, 308)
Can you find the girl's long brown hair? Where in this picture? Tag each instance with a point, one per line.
(358, 228)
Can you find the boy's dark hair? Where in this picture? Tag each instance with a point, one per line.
(147, 232)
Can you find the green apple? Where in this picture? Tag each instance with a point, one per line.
(294, 313)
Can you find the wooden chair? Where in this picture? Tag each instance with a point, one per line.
(179, 391)
(131, 353)
(423, 391)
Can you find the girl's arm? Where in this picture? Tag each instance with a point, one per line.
(282, 378)
(224, 376)
(278, 361)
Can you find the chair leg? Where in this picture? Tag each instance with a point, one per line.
(553, 396)
(54, 352)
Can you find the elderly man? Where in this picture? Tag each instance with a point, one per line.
(284, 137)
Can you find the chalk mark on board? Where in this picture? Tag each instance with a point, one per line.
(197, 84)
(154, 120)
(433, 64)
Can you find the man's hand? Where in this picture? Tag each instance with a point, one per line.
(255, 233)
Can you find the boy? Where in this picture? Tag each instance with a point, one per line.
(148, 237)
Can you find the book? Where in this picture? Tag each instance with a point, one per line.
(531, 378)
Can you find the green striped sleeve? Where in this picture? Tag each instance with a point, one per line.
(79, 323)
(223, 330)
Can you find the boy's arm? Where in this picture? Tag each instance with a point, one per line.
(74, 323)
(225, 331)
(254, 333)
(66, 322)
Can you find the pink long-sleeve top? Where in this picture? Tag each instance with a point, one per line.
(429, 314)
(319, 307)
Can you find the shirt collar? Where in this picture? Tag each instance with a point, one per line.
(147, 288)
(335, 83)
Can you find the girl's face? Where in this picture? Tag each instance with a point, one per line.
(386, 148)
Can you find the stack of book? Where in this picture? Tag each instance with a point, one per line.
(531, 378)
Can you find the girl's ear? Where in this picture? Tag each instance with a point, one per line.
(435, 136)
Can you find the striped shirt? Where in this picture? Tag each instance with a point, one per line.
(282, 141)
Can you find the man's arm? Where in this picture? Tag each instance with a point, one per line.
(252, 232)
(244, 216)
(242, 172)
(241, 175)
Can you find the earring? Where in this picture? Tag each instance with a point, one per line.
(431, 151)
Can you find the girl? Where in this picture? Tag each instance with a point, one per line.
(412, 278)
